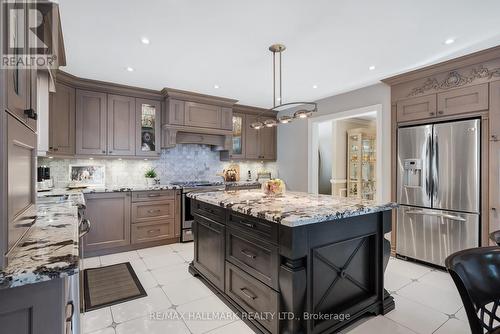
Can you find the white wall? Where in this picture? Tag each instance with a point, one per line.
(293, 137)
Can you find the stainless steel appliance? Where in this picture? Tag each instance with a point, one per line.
(438, 189)
(187, 218)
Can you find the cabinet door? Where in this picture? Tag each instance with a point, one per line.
(495, 111)
(421, 107)
(121, 125)
(267, 143)
(209, 249)
(175, 112)
(252, 146)
(227, 118)
(494, 186)
(91, 120)
(21, 165)
(18, 78)
(202, 115)
(238, 145)
(62, 120)
(463, 100)
(148, 131)
(109, 215)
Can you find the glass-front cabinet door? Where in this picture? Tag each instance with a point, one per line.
(238, 149)
(148, 127)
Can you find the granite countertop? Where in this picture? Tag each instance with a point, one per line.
(50, 249)
(294, 208)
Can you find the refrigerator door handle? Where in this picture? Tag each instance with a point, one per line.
(429, 171)
(436, 214)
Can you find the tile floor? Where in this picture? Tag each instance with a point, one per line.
(426, 300)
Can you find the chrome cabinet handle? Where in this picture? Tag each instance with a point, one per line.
(248, 253)
(152, 231)
(436, 214)
(154, 195)
(154, 211)
(84, 228)
(70, 316)
(247, 293)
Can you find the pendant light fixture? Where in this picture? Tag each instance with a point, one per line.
(301, 109)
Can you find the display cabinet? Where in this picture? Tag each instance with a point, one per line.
(361, 162)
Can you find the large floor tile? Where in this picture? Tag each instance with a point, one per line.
(213, 309)
(163, 260)
(153, 251)
(95, 320)
(147, 280)
(462, 315)
(181, 292)
(107, 260)
(454, 326)
(394, 281)
(415, 316)
(237, 327)
(156, 301)
(187, 255)
(172, 274)
(146, 325)
(407, 268)
(138, 265)
(91, 262)
(109, 330)
(439, 279)
(380, 324)
(444, 300)
(183, 246)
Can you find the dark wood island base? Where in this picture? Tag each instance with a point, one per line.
(312, 278)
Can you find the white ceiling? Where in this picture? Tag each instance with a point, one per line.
(196, 44)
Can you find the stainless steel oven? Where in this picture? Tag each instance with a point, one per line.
(187, 217)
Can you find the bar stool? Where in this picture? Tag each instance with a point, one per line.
(495, 236)
(476, 273)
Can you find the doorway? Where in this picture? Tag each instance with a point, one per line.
(344, 153)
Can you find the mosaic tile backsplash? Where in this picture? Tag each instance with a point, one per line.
(184, 162)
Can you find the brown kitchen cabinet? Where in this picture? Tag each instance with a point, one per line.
(259, 144)
(91, 123)
(62, 120)
(237, 151)
(463, 100)
(148, 127)
(202, 115)
(121, 114)
(174, 114)
(416, 108)
(494, 122)
(109, 215)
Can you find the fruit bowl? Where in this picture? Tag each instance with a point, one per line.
(274, 187)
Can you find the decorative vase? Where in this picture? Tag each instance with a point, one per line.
(150, 181)
(274, 187)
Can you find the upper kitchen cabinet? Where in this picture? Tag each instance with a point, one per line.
(412, 109)
(62, 120)
(202, 115)
(174, 112)
(463, 100)
(91, 123)
(121, 125)
(148, 120)
(237, 150)
(495, 111)
(267, 143)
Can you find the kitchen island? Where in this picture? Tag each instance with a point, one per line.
(298, 263)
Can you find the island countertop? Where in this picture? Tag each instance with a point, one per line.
(50, 250)
(293, 208)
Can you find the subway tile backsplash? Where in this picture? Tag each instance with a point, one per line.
(184, 162)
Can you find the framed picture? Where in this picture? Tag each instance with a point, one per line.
(87, 175)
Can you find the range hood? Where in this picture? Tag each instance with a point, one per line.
(220, 140)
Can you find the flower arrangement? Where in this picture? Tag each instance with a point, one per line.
(274, 187)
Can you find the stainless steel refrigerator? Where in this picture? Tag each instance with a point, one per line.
(438, 189)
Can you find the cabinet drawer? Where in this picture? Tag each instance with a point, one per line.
(463, 100)
(152, 231)
(257, 228)
(155, 195)
(258, 258)
(211, 211)
(421, 107)
(253, 296)
(144, 211)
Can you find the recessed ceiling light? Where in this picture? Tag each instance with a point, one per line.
(145, 40)
(216, 86)
(371, 68)
(130, 69)
(449, 41)
(91, 158)
(315, 86)
(145, 159)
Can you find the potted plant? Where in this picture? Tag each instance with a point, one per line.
(150, 177)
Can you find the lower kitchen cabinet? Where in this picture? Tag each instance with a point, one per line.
(209, 249)
(152, 231)
(109, 215)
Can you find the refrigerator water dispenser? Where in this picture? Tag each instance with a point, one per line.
(413, 172)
